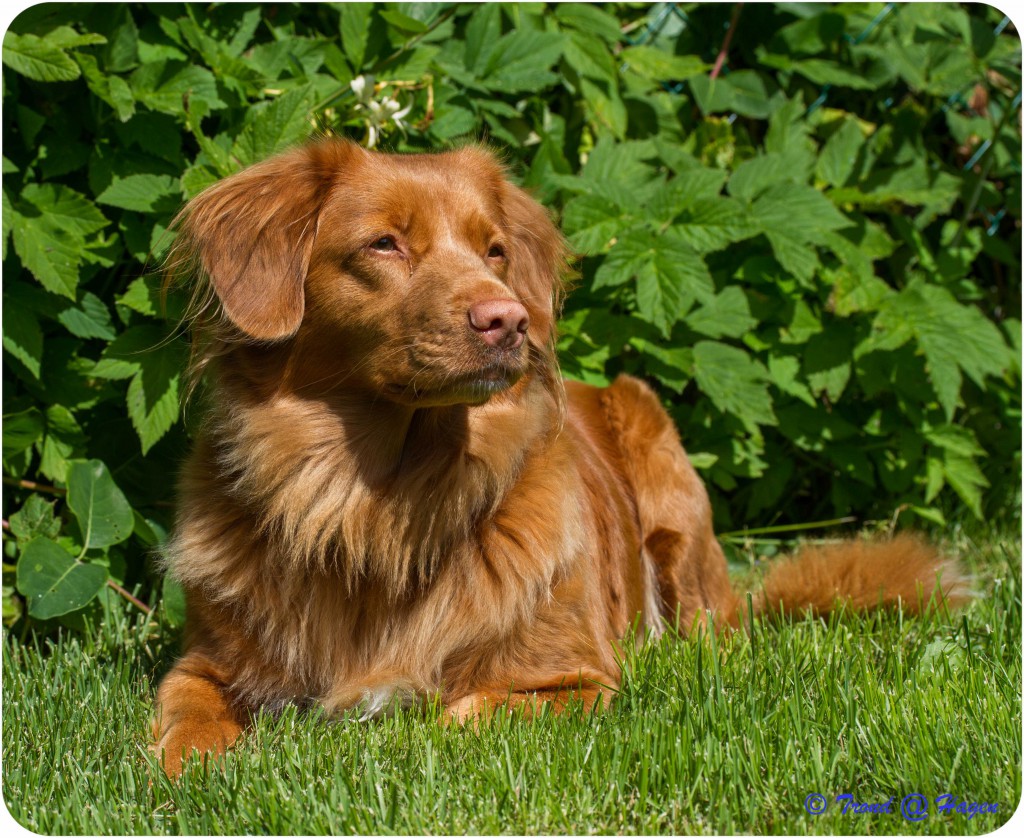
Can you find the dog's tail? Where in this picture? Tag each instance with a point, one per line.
(904, 571)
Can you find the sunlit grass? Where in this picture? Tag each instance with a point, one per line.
(716, 736)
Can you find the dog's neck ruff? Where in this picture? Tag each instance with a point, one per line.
(341, 485)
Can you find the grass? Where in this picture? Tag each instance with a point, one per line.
(706, 737)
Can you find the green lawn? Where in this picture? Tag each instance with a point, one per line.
(706, 737)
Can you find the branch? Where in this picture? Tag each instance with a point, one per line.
(723, 53)
(34, 487)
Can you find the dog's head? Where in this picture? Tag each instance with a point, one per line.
(426, 279)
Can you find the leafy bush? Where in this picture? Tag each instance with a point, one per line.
(810, 245)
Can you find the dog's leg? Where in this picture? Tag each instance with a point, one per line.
(673, 506)
(194, 713)
(479, 705)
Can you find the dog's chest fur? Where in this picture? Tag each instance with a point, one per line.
(347, 585)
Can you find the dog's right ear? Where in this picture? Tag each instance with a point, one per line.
(252, 235)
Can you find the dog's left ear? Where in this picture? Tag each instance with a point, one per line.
(536, 261)
(252, 235)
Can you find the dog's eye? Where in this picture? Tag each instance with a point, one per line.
(496, 252)
(385, 244)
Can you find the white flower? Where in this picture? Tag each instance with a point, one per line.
(378, 113)
(363, 87)
(398, 116)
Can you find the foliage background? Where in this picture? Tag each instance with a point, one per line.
(811, 247)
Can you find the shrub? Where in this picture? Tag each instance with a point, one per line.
(809, 243)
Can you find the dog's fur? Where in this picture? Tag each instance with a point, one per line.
(385, 503)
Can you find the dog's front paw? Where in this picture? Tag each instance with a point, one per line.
(191, 738)
(470, 709)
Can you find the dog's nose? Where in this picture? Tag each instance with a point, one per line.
(500, 323)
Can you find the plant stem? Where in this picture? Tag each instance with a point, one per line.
(130, 597)
(723, 53)
(989, 159)
(833, 522)
(34, 487)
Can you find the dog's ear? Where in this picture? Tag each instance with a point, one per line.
(536, 261)
(252, 234)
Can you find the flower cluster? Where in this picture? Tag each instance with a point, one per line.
(378, 113)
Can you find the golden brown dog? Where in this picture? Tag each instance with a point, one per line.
(393, 493)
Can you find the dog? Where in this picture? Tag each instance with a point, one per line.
(394, 495)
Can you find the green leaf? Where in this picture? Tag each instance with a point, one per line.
(660, 286)
(123, 52)
(143, 296)
(735, 383)
(852, 463)
(584, 17)
(103, 514)
(154, 393)
(671, 365)
(65, 37)
(963, 475)
(588, 56)
(822, 71)
(143, 193)
(810, 35)
(658, 65)
(124, 356)
(750, 94)
(113, 90)
(89, 319)
(8, 212)
(670, 275)
(149, 532)
(521, 61)
(403, 23)
(802, 326)
(196, 178)
(274, 126)
(620, 164)
(49, 234)
(71, 209)
(482, 33)
(839, 154)
(21, 430)
(783, 370)
(956, 439)
(955, 339)
(795, 218)
(50, 252)
(827, 361)
(165, 85)
(701, 459)
(591, 222)
(712, 95)
(35, 518)
(355, 30)
(725, 315)
(64, 438)
(23, 338)
(32, 56)
(153, 360)
(54, 582)
(172, 601)
(856, 291)
(710, 224)
(754, 176)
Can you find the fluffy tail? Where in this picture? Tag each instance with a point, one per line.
(863, 575)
